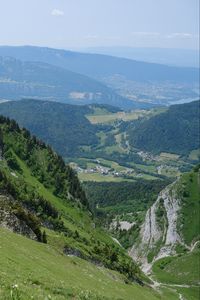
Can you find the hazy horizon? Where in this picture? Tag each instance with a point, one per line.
(70, 24)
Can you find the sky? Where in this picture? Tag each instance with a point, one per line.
(91, 23)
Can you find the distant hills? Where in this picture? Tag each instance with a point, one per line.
(67, 129)
(166, 56)
(44, 81)
(100, 66)
(175, 130)
(82, 78)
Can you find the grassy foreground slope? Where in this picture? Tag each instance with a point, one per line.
(183, 269)
(33, 270)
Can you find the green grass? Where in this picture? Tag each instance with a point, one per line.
(40, 272)
(191, 293)
(184, 269)
(169, 156)
(101, 178)
(70, 212)
(100, 117)
(102, 136)
(114, 148)
(73, 217)
(189, 220)
(97, 177)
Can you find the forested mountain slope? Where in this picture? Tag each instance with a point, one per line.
(62, 126)
(175, 130)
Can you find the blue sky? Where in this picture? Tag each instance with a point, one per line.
(85, 23)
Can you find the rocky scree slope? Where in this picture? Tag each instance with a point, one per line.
(168, 226)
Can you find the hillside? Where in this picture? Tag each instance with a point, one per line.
(44, 81)
(168, 244)
(60, 251)
(62, 126)
(175, 131)
(46, 274)
(43, 192)
(96, 65)
(145, 84)
(170, 234)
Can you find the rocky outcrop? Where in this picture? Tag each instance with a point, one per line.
(9, 220)
(158, 234)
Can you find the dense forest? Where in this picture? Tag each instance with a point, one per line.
(105, 199)
(62, 126)
(175, 131)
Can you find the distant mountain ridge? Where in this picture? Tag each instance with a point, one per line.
(166, 56)
(99, 66)
(20, 79)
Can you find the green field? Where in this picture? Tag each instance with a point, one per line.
(169, 156)
(111, 117)
(99, 178)
(101, 115)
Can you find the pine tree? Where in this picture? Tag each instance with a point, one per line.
(44, 237)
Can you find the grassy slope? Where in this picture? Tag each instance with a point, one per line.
(73, 218)
(108, 117)
(189, 215)
(184, 269)
(41, 272)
